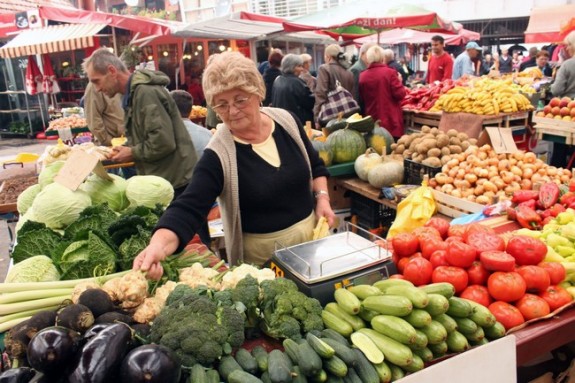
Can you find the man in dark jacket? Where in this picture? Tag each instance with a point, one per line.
(290, 92)
(158, 141)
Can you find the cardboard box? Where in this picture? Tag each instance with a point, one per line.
(343, 216)
(340, 198)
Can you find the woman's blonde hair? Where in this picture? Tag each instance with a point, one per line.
(375, 54)
(232, 70)
(570, 39)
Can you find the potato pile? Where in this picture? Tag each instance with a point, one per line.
(432, 147)
(483, 176)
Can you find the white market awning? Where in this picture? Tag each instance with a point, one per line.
(229, 27)
(54, 38)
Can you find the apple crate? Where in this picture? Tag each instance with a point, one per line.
(454, 207)
(550, 129)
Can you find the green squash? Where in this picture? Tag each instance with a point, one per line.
(388, 173)
(365, 162)
(324, 151)
(336, 124)
(346, 145)
(379, 138)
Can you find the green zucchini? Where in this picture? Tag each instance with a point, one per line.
(459, 308)
(335, 323)
(495, 332)
(442, 288)
(239, 376)
(383, 371)
(367, 315)
(385, 283)
(342, 351)
(396, 372)
(279, 367)
(228, 364)
(298, 377)
(335, 366)
(395, 328)
(424, 353)
(347, 301)
(435, 332)
(394, 351)
(365, 369)
(212, 376)
(261, 356)
(366, 345)
(481, 315)
(364, 291)
(438, 349)
(355, 321)
(352, 376)
(334, 379)
(198, 374)
(319, 377)
(309, 361)
(415, 365)
(420, 340)
(479, 343)
(457, 342)
(291, 349)
(476, 336)
(389, 305)
(417, 296)
(323, 349)
(437, 305)
(446, 321)
(247, 361)
(418, 318)
(332, 334)
(465, 325)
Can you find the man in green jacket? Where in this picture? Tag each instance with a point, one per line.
(158, 141)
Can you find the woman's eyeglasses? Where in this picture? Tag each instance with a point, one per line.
(238, 103)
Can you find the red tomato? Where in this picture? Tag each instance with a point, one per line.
(485, 242)
(473, 228)
(455, 238)
(430, 245)
(405, 244)
(454, 275)
(478, 294)
(536, 278)
(509, 316)
(460, 254)
(442, 225)
(506, 287)
(438, 259)
(418, 271)
(426, 232)
(556, 271)
(403, 261)
(556, 296)
(497, 261)
(478, 274)
(456, 230)
(532, 306)
(526, 250)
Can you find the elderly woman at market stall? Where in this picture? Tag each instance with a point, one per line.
(261, 167)
(381, 91)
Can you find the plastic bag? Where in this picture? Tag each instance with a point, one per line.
(414, 211)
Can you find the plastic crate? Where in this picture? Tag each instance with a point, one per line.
(414, 172)
(371, 214)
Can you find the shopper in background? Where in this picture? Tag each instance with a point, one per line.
(516, 61)
(305, 74)
(529, 61)
(505, 62)
(261, 167)
(564, 84)
(404, 62)
(381, 91)
(440, 66)
(463, 64)
(158, 141)
(200, 135)
(335, 68)
(290, 92)
(275, 62)
(542, 62)
(104, 115)
(359, 66)
(390, 62)
(487, 64)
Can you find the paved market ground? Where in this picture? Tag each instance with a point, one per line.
(9, 148)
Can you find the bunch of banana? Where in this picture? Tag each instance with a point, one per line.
(321, 230)
(484, 96)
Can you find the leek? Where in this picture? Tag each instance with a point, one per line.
(12, 308)
(8, 325)
(24, 296)
(27, 313)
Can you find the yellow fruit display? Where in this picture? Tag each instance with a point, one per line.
(198, 112)
(484, 96)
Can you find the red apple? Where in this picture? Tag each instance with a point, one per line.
(555, 101)
(556, 111)
(547, 109)
(565, 111)
(564, 101)
(571, 105)
(572, 113)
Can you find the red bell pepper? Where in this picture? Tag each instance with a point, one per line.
(556, 209)
(524, 195)
(567, 198)
(549, 194)
(547, 220)
(511, 213)
(528, 217)
(529, 203)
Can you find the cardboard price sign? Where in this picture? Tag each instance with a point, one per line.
(78, 167)
(501, 140)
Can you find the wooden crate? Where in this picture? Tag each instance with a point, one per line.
(548, 127)
(432, 119)
(453, 206)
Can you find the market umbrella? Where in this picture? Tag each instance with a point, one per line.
(49, 79)
(411, 36)
(33, 77)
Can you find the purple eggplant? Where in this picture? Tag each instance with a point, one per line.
(17, 375)
(102, 355)
(53, 349)
(95, 330)
(151, 363)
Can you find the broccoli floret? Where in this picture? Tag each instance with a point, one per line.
(272, 287)
(247, 291)
(312, 323)
(284, 326)
(224, 297)
(197, 327)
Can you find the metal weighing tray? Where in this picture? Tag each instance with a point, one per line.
(333, 256)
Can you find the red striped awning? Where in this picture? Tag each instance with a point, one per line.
(54, 38)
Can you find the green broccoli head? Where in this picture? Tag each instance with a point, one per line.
(283, 326)
(272, 287)
(179, 292)
(224, 297)
(247, 291)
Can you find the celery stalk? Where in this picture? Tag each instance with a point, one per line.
(12, 308)
(8, 325)
(27, 313)
(24, 296)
